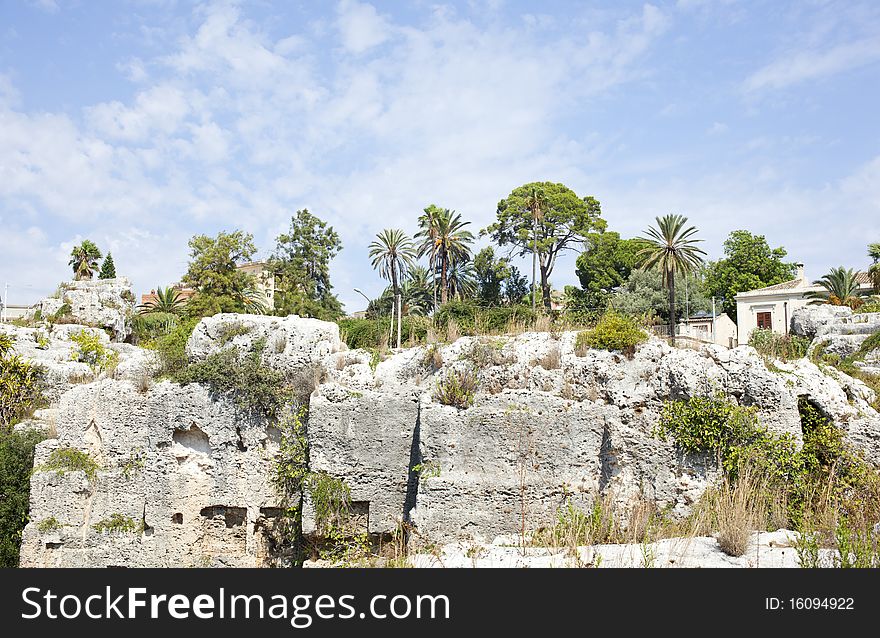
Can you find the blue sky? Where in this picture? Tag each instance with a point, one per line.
(138, 124)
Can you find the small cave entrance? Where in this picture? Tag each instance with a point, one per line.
(193, 439)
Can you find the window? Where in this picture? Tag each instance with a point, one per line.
(765, 320)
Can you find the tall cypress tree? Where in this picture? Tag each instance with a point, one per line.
(108, 268)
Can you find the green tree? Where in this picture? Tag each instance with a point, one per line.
(840, 287)
(604, 265)
(460, 280)
(393, 254)
(874, 269)
(16, 463)
(427, 238)
(452, 243)
(108, 268)
(84, 260)
(415, 295)
(167, 300)
(490, 274)
(670, 249)
(213, 272)
(516, 287)
(301, 262)
(643, 294)
(749, 263)
(543, 219)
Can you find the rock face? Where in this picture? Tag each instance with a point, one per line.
(806, 321)
(546, 426)
(186, 474)
(835, 329)
(289, 343)
(105, 303)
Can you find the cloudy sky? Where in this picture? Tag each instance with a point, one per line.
(138, 124)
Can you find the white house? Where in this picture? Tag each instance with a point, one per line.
(770, 307)
(702, 326)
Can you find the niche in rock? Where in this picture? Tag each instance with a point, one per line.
(192, 449)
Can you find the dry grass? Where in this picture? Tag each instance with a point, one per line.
(452, 332)
(551, 360)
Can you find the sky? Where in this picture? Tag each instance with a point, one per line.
(141, 123)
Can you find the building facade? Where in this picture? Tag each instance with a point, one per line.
(771, 307)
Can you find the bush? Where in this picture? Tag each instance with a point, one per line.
(68, 459)
(21, 386)
(119, 524)
(171, 348)
(824, 474)
(457, 388)
(776, 346)
(252, 386)
(371, 333)
(91, 351)
(473, 320)
(613, 331)
(16, 462)
(152, 325)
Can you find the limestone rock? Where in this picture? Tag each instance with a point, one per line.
(288, 343)
(188, 474)
(806, 321)
(105, 303)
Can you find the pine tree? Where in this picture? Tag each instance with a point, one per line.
(108, 268)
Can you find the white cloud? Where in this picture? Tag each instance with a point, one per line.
(361, 26)
(796, 67)
(236, 129)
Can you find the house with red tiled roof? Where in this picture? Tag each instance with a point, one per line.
(770, 308)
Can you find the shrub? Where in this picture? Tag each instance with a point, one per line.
(252, 386)
(21, 386)
(64, 312)
(16, 461)
(433, 358)
(613, 331)
(119, 524)
(776, 346)
(152, 325)
(472, 319)
(372, 333)
(48, 525)
(551, 360)
(457, 388)
(68, 459)
(232, 330)
(171, 348)
(91, 351)
(824, 475)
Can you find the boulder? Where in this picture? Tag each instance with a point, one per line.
(806, 321)
(104, 303)
(287, 344)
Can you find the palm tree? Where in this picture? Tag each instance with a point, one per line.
(453, 246)
(670, 248)
(840, 288)
(536, 203)
(84, 260)
(166, 300)
(461, 280)
(874, 269)
(428, 246)
(393, 254)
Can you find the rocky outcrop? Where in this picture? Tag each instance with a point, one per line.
(104, 303)
(546, 426)
(287, 344)
(52, 349)
(806, 321)
(185, 476)
(835, 329)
